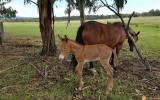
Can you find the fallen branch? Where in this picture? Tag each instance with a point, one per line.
(114, 10)
(10, 54)
(6, 69)
(39, 72)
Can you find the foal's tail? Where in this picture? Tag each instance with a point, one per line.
(115, 60)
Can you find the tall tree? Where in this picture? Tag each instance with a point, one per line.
(5, 13)
(46, 16)
(81, 10)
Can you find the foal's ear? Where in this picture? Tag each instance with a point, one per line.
(65, 37)
(60, 37)
(138, 33)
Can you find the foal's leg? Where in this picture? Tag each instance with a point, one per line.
(108, 68)
(79, 69)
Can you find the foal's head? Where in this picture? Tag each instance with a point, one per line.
(135, 37)
(64, 48)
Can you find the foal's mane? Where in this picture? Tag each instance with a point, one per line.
(75, 42)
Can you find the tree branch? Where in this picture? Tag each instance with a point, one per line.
(129, 20)
(126, 28)
(34, 2)
(114, 11)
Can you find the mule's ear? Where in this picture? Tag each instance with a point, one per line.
(138, 33)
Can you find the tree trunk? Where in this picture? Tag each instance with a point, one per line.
(81, 10)
(1, 33)
(47, 34)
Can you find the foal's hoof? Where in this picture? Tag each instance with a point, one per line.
(80, 89)
(108, 91)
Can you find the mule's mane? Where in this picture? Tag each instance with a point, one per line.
(119, 23)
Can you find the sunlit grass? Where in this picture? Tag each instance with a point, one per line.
(149, 27)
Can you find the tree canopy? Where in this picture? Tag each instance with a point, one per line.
(6, 12)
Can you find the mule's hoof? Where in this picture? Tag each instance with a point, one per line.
(114, 68)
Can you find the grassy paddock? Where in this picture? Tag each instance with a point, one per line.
(22, 81)
(149, 27)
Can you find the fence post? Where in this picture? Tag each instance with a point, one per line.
(2, 37)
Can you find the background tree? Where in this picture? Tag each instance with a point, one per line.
(46, 18)
(92, 5)
(5, 13)
(80, 5)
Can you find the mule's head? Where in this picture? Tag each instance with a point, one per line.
(64, 48)
(134, 36)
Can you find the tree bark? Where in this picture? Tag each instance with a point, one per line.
(81, 10)
(47, 34)
(1, 33)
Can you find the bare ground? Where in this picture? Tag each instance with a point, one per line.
(131, 78)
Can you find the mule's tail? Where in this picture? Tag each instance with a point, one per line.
(79, 37)
(115, 60)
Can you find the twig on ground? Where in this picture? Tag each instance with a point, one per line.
(46, 71)
(10, 68)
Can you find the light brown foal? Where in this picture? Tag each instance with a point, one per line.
(87, 53)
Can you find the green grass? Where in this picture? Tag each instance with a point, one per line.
(149, 27)
(31, 29)
(23, 82)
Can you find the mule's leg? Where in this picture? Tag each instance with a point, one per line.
(73, 63)
(118, 48)
(108, 68)
(112, 59)
(91, 64)
(79, 69)
(115, 58)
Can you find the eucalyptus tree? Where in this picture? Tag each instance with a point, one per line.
(5, 13)
(46, 19)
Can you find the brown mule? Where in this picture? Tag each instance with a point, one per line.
(87, 53)
(111, 34)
